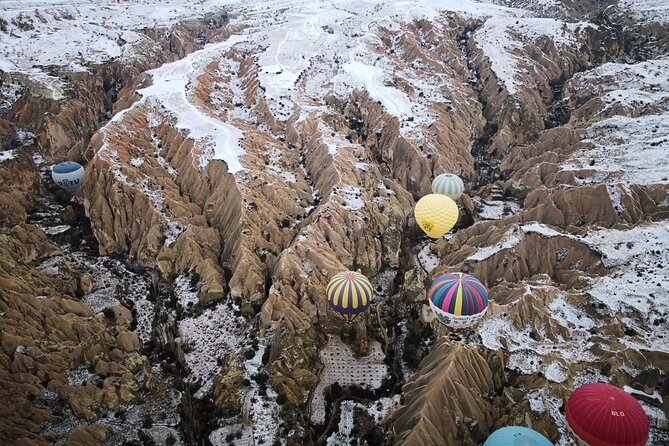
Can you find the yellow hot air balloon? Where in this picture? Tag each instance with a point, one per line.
(436, 214)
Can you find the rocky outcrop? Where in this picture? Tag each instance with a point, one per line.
(452, 376)
(7, 134)
(50, 341)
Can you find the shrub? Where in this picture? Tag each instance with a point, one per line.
(281, 399)
(194, 280)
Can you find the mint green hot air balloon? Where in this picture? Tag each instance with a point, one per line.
(448, 184)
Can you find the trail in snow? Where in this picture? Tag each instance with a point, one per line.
(169, 90)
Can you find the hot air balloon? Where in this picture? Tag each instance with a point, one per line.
(349, 293)
(516, 436)
(436, 214)
(68, 175)
(448, 184)
(458, 299)
(600, 414)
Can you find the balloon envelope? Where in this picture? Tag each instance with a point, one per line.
(436, 214)
(516, 436)
(600, 414)
(458, 299)
(349, 293)
(448, 184)
(68, 175)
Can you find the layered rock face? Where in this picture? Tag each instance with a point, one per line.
(453, 376)
(52, 343)
(247, 173)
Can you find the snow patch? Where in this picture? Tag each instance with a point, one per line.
(638, 282)
(170, 88)
(351, 197)
(186, 296)
(541, 229)
(511, 239)
(7, 155)
(137, 162)
(628, 149)
(210, 336)
(428, 260)
(495, 210)
(500, 40)
(341, 366)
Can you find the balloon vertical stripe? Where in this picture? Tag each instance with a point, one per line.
(449, 185)
(459, 300)
(349, 294)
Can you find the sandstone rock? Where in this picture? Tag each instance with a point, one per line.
(128, 341)
(87, 435)
(452, 376)
(86, 283)
(7, 134)
(122, 316)
(11, 212)
(225, 391)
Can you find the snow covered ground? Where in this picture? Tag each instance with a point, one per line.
(377, 411)
(427, 259)
(502, 39)
(630, 145)
(208, 337)
(635, 293)
(73, 33)
(341, 366)
(647, 10)
(495, 210)
(510, 239)
(289, 36)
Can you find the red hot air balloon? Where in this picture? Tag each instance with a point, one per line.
(600, 414)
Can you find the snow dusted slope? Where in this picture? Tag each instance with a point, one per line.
(297, 41)
(338, 36)
(647, 10)
(501, 39)
(631, 142)
(217, 140)
(74, 33)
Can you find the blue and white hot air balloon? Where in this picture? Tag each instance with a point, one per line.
(68, 175)
(448, 184)
(516, 436)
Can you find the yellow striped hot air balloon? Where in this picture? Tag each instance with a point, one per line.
(349, 293)
(436, 214)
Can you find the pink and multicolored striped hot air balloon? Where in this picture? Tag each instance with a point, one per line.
(458, 299)
(599, 414)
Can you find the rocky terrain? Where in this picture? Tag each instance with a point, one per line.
(239, 155)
